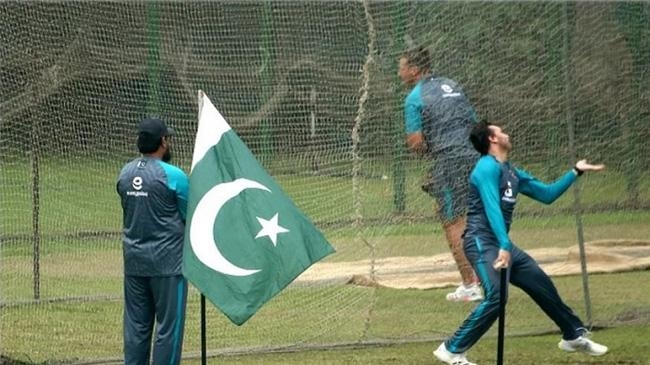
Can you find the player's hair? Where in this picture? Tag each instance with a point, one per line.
(418, 57)
(480, 136)
(147, 144)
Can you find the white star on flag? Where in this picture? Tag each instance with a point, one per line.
(270, 228)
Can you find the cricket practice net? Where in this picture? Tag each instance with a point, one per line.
(312, 88)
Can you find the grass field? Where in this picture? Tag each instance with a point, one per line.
(302, 318)
(79, 196)
(80, 257)
(628, 345)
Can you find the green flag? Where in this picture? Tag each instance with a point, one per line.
(245, 240)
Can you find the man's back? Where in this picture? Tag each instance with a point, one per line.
(151, 193)
(447, 116)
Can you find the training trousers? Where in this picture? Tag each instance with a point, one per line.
(523, 273)
(154, 299)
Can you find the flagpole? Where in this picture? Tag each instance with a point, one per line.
(204, 357)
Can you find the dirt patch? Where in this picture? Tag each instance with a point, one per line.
(428, 272)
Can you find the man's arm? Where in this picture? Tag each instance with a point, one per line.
(415, 143)
(178, 182)
(542, 192)
(182, 194)
(413, 125)
(548, 193)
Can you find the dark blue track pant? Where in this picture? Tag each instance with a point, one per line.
(154, 299)
(523, 273)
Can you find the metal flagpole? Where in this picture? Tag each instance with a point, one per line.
(503, 292)
(204, 352)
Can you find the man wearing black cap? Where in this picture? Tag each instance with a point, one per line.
(154, 200)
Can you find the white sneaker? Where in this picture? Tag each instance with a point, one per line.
(442, 354)
(464, 293)
(583, 344)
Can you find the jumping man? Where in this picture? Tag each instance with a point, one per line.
(438, 118)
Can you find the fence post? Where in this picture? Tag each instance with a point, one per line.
(570, 119)
(399, 174)
(35, 171)
(153, 65)
(266, 149)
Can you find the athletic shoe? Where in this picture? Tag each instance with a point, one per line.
(464, 293)
(442, 354)
(583, 344)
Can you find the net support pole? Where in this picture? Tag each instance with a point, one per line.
(153, 57)
(399, 175)
(312, 130)
(35, 172)
(360, 118)
(266, 72)
(570, 119)
(632, 166)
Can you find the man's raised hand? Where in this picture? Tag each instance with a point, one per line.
(583, 165)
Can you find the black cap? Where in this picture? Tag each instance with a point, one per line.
(150, 133)
(154, 128)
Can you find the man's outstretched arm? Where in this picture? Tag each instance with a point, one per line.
(548, 193)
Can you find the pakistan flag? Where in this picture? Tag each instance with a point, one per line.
(245, 240)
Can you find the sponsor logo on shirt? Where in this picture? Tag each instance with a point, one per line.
(448, 91)
(507, 195)
(137, 185)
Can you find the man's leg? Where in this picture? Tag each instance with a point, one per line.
(450, 189)
(469, 290)
(482, 255)
(138, 320)
(453, 233)
(170, 294)
(527, 275)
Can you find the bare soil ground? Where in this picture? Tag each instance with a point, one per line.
(428, 272)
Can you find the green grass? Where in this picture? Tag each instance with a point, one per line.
(302, 317)
(79, 198)
(64, 262)
(628, 345)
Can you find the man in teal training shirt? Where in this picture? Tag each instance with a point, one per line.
(438, 117)
(154, 201)
(494, 187)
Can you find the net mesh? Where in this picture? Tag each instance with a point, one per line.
(312, 88)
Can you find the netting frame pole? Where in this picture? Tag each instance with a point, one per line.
(153, 58)
(399, 174)
(266, 77)
(36, 201)
(632, 167)
(360, 117)
(570, 119)
(313, 118)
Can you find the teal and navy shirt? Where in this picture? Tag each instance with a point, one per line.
(439, 109)
(154, 202)
(494, 187)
